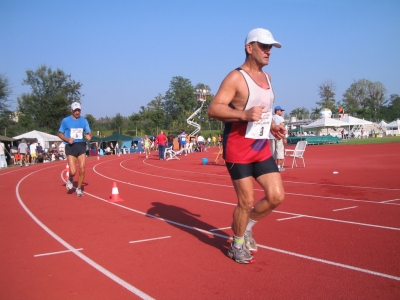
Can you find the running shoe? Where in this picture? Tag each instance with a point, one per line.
(249, 242)
(79, 193)
(240, 255)
(69, 185)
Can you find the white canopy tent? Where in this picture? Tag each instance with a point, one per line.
(45, 139)
(326, 123)
(383, 124)
(394, 125)
(393, 128)
(355, 121)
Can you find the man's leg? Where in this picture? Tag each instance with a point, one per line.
(245, 193)
(82, 165)
(274, 195)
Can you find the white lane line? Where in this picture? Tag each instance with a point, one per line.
(58, 252)
(339, 209)
(223, 228)
(259, 245)
(89, 261)
(234, 204)
(147, 240)
(260, 190)
(388, 201)
(290, 218)
(332, 263)
(295, 182)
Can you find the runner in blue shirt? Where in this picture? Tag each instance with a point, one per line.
(72, 131)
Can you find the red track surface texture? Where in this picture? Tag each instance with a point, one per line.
(336, 236)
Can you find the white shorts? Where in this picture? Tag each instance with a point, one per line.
(277, 149)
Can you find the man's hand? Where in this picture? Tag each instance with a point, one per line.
(88, 136)
(278, 131)
(254, 114)
(71, 141)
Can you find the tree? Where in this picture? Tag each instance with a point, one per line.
(392, 111)
(52, 93)
(326, 92)
(91, 120)
(5, 113)
(364, 98)
(300, 113)
(179, 100)
(155, 112)
(118, 122)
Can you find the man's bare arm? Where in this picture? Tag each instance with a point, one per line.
(219, 107)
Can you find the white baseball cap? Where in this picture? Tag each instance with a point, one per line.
(75, 105)
(262, 36)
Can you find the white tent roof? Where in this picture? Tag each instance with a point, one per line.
(383, 123)
(354, 121)
(395, 123)
(326, 122)
(42, 137)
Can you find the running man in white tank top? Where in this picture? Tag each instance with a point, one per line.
(232, 105)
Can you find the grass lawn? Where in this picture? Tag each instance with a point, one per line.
(388, 139)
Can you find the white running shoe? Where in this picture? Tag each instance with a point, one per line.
(249, 241)
(79, 193)
(69, 185)
(240, 255)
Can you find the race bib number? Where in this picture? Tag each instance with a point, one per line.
(77, 133)
(260, 129)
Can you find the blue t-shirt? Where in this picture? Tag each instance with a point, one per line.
(74, 128)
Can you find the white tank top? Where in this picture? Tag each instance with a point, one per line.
(259, 96)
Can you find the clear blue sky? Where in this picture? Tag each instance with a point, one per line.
(126, 52)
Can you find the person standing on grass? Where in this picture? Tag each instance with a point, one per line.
(73, 131)
(244, 102)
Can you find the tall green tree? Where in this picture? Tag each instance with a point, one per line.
(179, 101)
(5, 113)
(51, 94)
(155, 112)
(364, 98)
(326, 92)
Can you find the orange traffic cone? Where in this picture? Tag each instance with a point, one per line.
(67, 172)
(115, 194)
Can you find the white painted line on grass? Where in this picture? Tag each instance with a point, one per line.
(147, 240)
(58, 252)
(339, 209)
(290, 218)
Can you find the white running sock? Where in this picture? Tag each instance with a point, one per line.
(250, 224)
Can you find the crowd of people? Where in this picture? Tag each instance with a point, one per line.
(30, 152)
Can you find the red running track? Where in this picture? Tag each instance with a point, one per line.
(335, 236)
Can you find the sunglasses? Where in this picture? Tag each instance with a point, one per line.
(264, 47)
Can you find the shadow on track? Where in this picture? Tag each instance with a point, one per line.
(186, 220)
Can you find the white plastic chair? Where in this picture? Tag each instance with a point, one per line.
(169, 154)
(298, 152)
